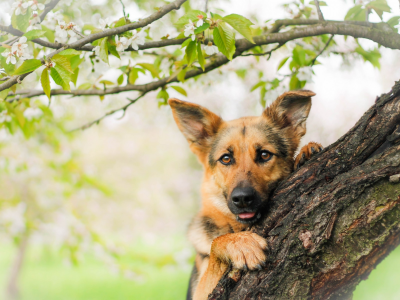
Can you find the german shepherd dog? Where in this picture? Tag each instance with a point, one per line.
(243, 160)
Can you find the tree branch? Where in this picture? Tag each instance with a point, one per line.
(387, 39)
(155, 16)
(123, 108)
(320, 15)
(322, 50)
(49, 6)
(332, 221)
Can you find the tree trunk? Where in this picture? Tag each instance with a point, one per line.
(332, 221)
(12, 291)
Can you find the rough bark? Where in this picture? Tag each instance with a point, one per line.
(331, 222)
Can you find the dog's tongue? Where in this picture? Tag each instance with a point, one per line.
(247, 215)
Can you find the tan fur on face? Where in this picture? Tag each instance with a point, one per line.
(278, 131)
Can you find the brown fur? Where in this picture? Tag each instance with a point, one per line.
(217, 231)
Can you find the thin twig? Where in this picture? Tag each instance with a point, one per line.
(123, 8)
(206, 6)
(323, 49)
(123, 108)
(320, 15)
(269, 53)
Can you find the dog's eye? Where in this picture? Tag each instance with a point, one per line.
(225, 159)
(265, 156)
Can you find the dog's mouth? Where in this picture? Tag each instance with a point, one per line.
(248, 217)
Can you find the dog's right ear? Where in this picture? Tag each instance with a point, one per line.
(197, 123)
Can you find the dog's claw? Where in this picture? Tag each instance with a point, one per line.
(259, 267)
(306, 153)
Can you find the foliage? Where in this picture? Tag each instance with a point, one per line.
(52, 54)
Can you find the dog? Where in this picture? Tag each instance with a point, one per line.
(243, 160)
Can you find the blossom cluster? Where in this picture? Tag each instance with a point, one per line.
(20, 8)
(210, 49)
(18, 50)
(122, 43)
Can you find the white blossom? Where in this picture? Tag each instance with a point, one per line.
(61, 30)
(304, 74)
(104, 23)
(35, 5)
(19, 7)
(10, 57)
(189, 30)
(32, 113)
(200, 22)
(34, 22)
(4, 117)
(2, 71)
(138, 38)
(20, 48)
(211, 49)
(122, 43)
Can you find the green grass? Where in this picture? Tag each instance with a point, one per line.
(46, 277)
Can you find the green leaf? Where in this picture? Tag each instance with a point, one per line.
(201, 28)
(120, 79)
(103, 53)
(372, 56)
(106, 82)
(71, 52)
(61, 77)
(191, 52)
(257, 85)
(45, 81)
(19, 115)
(85, 86)
(379, 5)
(63, 61)
(200, 56)
(75, 61)
(113, 51)
(133, 75)
(4, 94)
(181, 75)
(153, 70)
(224, 39)
(50, 35)
(21, 21)
(356, 13)
(299, 56)
(282, 63)
(241, 24)
(191, 15)
(163, 95)
(120, 22)
(34, 34)
(179, 89)
(294, 83)
(28, 66)
(186, 42)
(394, 21)
(74, 76)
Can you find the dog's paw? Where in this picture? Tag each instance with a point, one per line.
(245, 250)
(306, 153)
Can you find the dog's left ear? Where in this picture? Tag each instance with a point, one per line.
(291, 109)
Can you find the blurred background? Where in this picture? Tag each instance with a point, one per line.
(102, 213)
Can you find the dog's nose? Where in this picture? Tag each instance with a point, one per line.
(243, 196)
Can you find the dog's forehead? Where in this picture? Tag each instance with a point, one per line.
(252, 131)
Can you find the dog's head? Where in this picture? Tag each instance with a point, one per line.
(244, 159)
